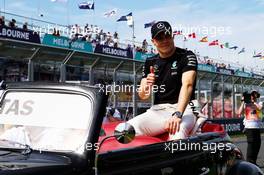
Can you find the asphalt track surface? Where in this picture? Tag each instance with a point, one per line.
(241, 142)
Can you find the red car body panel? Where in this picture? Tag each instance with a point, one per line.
(112, 144)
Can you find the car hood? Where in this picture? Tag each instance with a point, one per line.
(13, 162)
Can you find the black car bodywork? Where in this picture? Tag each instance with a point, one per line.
(156, 158)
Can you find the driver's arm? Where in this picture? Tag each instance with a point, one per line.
(147, 82)
(188, 80)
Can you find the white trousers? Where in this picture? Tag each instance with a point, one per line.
(152, 122)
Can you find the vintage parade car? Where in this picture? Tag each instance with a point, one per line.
(56, 128)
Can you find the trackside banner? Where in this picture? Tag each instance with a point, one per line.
(125, 53)
(19, 34)
(205, 67)
(242, 74)
(225, 71)
(234, 125)
(64, 42)
(143, 56)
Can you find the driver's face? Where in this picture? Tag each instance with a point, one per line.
(163, 42)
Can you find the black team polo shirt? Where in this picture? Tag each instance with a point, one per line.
(168, 73)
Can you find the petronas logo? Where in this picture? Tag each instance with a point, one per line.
(174, 65)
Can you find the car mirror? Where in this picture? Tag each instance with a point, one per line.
(124, 133)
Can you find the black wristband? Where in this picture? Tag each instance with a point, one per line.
(178, 114)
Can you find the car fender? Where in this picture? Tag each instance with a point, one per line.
(244, 168)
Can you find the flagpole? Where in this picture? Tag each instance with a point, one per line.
(184, 40)
(207, 49)
(222, 52)
(233, 57)
(196, 46)
(218, 53)
(134, 71)
(226, 52)
(245, 57)
(183, 44)
(38, 10)
(238, 58)
(254, 58)
(68, 13)
(229, 56)
(133, 32)
(116, 27)
(93, 11)
(4, 8)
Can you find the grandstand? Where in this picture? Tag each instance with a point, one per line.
(219, 87)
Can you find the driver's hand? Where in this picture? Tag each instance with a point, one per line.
(173, 125)
(151, 77)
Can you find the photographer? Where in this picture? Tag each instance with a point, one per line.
(252, 121)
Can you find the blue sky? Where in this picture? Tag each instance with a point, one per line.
(241, 20)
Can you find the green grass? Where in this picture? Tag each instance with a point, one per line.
(240, 135)
(237, 135)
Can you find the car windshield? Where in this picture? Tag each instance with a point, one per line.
(45, 121)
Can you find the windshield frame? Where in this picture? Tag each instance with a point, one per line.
(56, 91)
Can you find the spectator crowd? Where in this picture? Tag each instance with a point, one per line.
(210, 61)
(95, 35)
(12, 23)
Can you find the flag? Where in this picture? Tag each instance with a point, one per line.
(64, 1)
(213, 43)
(149, 24)
(177, 32)
(86, 5)
(128, 18)
(257, 55)
(192, 35)
(110, 13)
(130, 21)
(226, 45)
(234, 47)
(241, 51)
(204, 39)
(124, 18)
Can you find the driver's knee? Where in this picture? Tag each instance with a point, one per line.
(149, 123)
